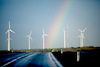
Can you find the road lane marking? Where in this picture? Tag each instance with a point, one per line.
(54, 65)
(12, 57)
(14, 60)
(24, 61)
(55, 60)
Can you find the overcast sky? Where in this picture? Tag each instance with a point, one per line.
(53, 16)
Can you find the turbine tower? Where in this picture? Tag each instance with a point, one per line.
(8, 31)
(81, 37)
(29, 36)
(64, 39)
(43, 38)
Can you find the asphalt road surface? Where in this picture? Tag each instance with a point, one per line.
(36, 59)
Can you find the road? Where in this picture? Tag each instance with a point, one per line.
(36, 59)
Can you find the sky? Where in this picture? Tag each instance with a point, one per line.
(52, 16)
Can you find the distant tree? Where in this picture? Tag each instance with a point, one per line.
(78, 47)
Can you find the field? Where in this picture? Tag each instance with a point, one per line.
(89, 56)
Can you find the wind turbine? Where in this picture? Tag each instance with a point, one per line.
(8, 31)
(81, 37)
(29, 36)
(43, 38)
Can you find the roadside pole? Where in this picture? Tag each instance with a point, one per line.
(78, 56)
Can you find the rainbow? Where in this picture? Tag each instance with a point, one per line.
(58, 23)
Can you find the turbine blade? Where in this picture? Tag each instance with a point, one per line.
(9, 24)
(6, 39)
(45, 34)
(43, 31)
(31, 38)
(27, 36)
(30, 32)
(84, 29)
(7, 32)
(42, 36)
(12, 31)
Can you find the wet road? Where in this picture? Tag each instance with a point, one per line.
(36, 59)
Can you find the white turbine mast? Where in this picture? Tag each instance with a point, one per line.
(29, 36)
(64, 39)
(43, 38)
(81, 37)
(8, 31)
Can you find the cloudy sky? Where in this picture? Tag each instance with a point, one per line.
(53, 16)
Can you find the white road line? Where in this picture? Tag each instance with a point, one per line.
(56, 61)
(53, 63)
(14, 60)
(12, 57)
(25, 61)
